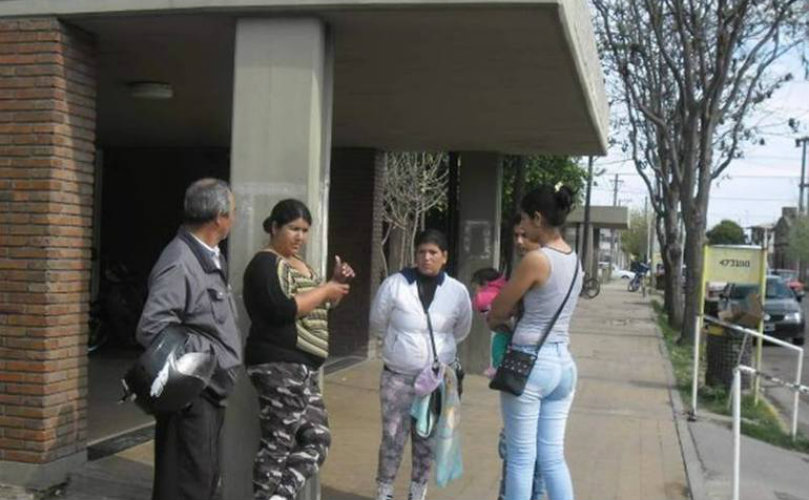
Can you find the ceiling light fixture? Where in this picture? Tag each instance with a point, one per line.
(150, 90)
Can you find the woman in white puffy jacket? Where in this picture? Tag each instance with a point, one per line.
(398, 315)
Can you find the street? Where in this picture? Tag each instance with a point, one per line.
(782, 363)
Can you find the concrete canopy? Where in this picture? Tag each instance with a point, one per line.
(601, 217)
(488, 75)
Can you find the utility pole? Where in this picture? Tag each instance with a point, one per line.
(586, 261)
(615, 185)
(798, 143)
(614, 234)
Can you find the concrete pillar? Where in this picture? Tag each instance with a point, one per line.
(479, 192)
(282, 105)
(47, 103)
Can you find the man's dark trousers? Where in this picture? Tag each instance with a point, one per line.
(187, 452)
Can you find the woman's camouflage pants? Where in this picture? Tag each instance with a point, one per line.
(397, 395)
(295, 435)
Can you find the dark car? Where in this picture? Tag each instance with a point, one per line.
(791, 278)
(783, 316)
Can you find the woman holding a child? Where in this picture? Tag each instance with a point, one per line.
(535, 421)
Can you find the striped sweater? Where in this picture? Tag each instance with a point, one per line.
(277, 334)
(313, 329)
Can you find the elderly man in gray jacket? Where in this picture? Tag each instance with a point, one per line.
(188, 286)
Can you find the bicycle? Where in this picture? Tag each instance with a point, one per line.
(639, 280)
(590, 287)
(115, 312)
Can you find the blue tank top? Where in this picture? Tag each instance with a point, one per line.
(540, 303)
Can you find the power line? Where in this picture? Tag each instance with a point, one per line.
(730, 177)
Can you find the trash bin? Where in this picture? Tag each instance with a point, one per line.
(722, 350)
(725, 347)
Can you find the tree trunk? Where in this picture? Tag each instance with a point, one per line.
(409, 253)
(673, 262)
(674, 289)
(396, 249)
(693, 263)
(519, 185)
(695, 223)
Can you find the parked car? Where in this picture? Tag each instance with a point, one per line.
(622, 273)
(615, 271)
(791, 278)
(783, 316)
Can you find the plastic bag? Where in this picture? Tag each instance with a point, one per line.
(447, 444)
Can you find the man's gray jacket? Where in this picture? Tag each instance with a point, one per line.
(186, 288)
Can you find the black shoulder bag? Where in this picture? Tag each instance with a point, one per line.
(513, 372)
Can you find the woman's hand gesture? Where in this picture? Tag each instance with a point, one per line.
(343, 273)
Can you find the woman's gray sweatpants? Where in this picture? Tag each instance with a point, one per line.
(396, 396)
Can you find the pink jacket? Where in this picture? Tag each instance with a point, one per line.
(484, 298)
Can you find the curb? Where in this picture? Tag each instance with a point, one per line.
(693, 465)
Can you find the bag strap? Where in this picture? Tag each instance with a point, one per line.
(556, 315)
(429, 323)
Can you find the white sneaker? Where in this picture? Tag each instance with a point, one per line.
(384, 491)
(417, 491)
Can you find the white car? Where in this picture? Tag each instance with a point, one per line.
(623, 274)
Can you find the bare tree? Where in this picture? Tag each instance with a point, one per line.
(689, 74)
(414, 183)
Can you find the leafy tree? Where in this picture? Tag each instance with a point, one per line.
(523, 173)
(688, 75)
(634, 240)
(726, 232)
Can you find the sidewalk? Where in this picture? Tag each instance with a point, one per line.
(623, 441)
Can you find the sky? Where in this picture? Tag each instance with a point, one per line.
(754, 188)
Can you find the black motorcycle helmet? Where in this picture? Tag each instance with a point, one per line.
(167, 377)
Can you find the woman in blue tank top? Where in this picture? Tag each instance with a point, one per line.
(535, 421)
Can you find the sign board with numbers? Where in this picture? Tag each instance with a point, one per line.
(735, 264)
(730, 264)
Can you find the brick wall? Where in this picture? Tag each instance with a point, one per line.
(355, 227)
(47, 133)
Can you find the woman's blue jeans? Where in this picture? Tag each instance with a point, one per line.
(535, 425)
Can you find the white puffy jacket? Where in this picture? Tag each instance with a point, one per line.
(398, 317)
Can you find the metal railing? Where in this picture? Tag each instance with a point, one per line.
(736, 389)
(757, 372)
(736, 392)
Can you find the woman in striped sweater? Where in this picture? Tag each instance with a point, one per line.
(288, 341)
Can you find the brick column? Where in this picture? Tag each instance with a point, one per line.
(47, 133)
(355, 231)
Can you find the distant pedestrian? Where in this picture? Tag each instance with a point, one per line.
(288, 306)
(398, 316)
(535, 421)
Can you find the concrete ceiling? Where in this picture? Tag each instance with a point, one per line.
(510, 78)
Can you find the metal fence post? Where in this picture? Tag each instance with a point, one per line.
(737, 425)
(796, 396)
(695, 381)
